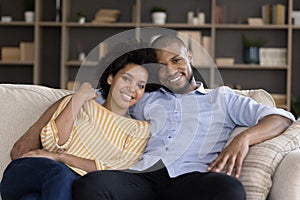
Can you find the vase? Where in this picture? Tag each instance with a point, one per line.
(159, 17)
(251, 55)
(29, 16)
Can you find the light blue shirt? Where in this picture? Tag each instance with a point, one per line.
(188, 131)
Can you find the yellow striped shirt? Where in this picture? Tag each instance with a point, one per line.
(111, 140)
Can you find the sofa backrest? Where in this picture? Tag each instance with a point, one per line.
(22, 105)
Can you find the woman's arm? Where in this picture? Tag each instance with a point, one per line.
(65, 120)
(30, 140)
(73, 161)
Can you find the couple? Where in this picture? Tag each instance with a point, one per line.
(189, 129)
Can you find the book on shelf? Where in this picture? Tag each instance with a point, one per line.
(278, 14)
(219, 14)
(199, 45)
(224, 61)
(106, 16)
(27, 51)
(273, 14)
(272, 56)
(10, 54)
(266, 13)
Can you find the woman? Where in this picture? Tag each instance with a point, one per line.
(87, 136)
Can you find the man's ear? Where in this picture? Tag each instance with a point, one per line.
(110, 79)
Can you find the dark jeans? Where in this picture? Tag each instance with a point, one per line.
(157, 185)
(37, 178)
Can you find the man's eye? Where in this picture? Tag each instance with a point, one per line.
(141, 86)
(176, 60)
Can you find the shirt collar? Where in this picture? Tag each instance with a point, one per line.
(199, 90)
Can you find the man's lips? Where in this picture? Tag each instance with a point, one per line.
(175, 78)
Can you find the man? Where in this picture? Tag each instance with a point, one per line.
(189, 130)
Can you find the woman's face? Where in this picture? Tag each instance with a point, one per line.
(127, 86)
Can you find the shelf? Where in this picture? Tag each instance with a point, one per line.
(90, 24)
(251, 66)
(17, 23)
(16, 62)
(247, 26)
(78, 63)
(176, 25)
(50, 24)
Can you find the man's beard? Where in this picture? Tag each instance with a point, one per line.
(184, 88)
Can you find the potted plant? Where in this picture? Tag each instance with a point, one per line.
(158, 15)
(28, 10)
(80, 17)
(251, 49)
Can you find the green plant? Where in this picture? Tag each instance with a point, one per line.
(79, 15)
(252, 42)
(28, 5)
(295, 107)
(157, 9)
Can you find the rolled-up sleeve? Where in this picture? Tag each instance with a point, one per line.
(49, 134)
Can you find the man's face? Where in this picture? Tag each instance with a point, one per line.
(175, 71)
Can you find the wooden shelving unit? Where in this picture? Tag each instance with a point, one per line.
(56, 43)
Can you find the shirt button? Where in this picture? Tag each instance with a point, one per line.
(167, 148)
(169, 136)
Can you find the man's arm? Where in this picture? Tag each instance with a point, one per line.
(31, 138)
(234, 154)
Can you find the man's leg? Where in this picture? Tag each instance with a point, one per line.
(206, 186)
(118, 185)
(38, 177)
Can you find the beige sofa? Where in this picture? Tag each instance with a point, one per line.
(271, 169)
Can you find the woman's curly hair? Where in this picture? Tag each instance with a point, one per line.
(139, 56)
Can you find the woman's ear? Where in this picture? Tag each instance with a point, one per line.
(110, 79)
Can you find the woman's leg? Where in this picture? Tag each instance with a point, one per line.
(32, 176)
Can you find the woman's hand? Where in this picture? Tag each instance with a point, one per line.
(86, 92)
(38, 153)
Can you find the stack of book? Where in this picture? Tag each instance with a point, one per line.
(26, 51)
(272, 56)
(273, 14)
(106, 16)
(10, 53)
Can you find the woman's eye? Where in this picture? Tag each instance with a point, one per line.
(125, 78)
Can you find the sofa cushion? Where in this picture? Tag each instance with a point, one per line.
(262, 160)
(21, 106)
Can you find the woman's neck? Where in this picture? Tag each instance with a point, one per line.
(108, 104)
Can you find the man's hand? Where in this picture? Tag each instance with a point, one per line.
(232, 156)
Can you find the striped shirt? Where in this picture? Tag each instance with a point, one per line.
(111, 140)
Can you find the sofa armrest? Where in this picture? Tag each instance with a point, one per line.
(286, 182)
(263, 159)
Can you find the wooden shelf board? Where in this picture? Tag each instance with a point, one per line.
(17, 23)
(16, 62)
(50, 23)
(78, 63)
(175, 25)
(247, 26)
(251, 66)
(114, 25)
